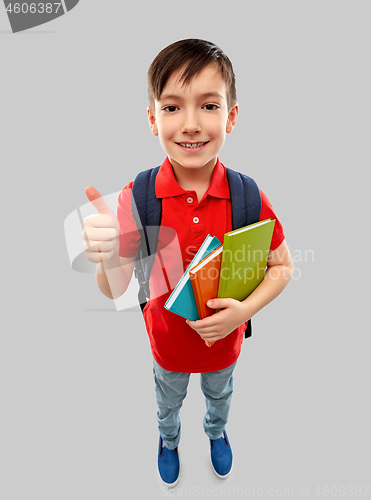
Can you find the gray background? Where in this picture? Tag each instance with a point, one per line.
(77, 394)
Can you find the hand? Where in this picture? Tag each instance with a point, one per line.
(101, 230)
(220, 324)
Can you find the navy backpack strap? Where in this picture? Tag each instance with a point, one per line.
(245, 205)
(245, 199)
(147, 214)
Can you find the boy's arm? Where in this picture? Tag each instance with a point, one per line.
(102, 245)
(280, 268)
(113, 276)
(234, 313)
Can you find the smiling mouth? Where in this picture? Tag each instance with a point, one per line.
(192, 145)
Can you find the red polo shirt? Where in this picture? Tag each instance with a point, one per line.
(185, 223)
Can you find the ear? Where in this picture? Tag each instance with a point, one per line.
(152, 121)
(232, 118)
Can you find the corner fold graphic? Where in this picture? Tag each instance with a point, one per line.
(70, 4)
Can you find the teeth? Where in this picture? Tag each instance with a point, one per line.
(188, 145)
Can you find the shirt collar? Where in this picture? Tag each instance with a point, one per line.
(166, 185)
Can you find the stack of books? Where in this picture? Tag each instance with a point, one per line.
(229, 270)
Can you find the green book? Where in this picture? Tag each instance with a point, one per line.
(244, 259)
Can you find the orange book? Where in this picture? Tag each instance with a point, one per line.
(204, 279)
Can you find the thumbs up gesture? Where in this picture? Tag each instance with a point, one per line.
(101, 230)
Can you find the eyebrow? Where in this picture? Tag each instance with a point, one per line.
(199, 96)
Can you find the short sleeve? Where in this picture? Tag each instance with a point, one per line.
(129, 235)
(267, 212)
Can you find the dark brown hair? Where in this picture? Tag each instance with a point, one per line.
(193, 54)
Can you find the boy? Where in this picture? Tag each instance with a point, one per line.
(192, 106)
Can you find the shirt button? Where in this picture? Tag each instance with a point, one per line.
(190, 200)
(196, 220)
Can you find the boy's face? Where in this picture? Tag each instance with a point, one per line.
(192, 120)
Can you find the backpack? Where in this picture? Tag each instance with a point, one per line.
(245, 207)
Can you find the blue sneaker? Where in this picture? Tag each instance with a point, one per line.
(221, 456)
(168, 465)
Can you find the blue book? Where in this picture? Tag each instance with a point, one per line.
(182, 300)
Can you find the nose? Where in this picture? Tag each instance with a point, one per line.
(190, 124)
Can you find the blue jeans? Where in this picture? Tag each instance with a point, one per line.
(171, 389)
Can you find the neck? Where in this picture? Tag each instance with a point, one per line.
(193, 178)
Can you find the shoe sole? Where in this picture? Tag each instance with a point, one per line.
(219, 476)
(168, 485)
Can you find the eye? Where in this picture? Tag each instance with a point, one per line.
(211, 107)
(170, 109)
